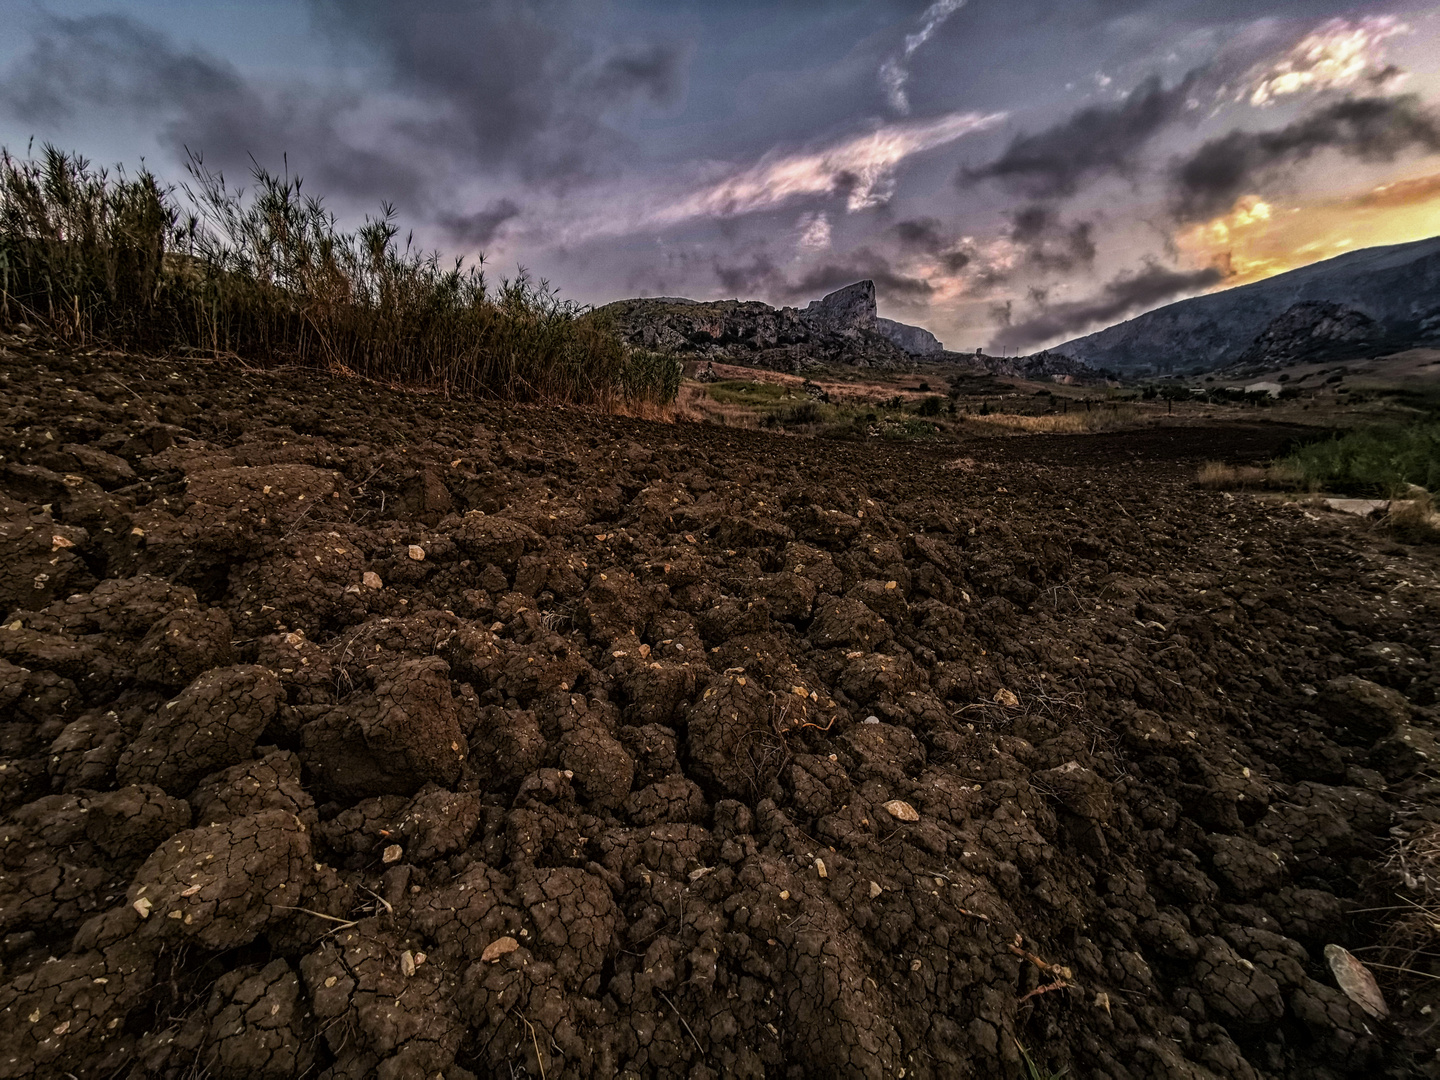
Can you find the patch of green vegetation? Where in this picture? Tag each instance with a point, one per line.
(268, 275)
(1034, 1071)
(651, 377)
(743, 392)
(801, 414)
(1378, 460)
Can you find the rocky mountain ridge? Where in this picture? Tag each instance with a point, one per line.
(843, 327)
(1363, 303)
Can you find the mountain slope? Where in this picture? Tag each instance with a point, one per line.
(1392, 292)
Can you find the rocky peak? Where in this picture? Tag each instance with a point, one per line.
(915, 340)
(848, 310)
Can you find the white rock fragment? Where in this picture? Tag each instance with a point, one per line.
(1355, 979)
(901, 810)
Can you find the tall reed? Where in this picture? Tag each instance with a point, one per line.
(269, 275)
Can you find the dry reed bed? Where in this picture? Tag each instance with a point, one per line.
(269, 276)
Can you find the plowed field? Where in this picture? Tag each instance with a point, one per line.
(349, 733)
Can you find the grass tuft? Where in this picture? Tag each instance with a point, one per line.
(1217, 476)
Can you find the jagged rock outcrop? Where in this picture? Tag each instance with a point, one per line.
(1044, 366)
(915, 340)
(850, 310)
(1311, 331)
(840, 328)
(1397, 287)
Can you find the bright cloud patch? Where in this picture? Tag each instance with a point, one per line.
(893, 73)
(814, 231)
(1337, 56)
(862, 168)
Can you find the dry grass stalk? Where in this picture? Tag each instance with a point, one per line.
(1217, 476)
(1071, 423)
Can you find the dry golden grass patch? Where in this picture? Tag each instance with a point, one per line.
(1415, 515)
(695, 404)
(645, 410)
(1414, 926)
(1217, 476)
(1070, 423)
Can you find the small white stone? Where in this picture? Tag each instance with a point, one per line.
(901, 811)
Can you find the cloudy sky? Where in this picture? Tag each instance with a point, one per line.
(1010, 172)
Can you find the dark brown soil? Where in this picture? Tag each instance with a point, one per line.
(352, 733)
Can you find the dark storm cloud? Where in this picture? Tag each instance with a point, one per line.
(758, 275)
(1120, 297)
(920, 234)
(653, 71)
(81, 66)
(1371, 129)
(81, 62)
(501, 87)
(1049, 244)
(510, 83)
(747, 280)
(1094, 141)
(857, 266)
(927, 236)
(480, 227)
(955, 261)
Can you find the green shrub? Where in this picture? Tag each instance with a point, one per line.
(931, 406)
(787, 416)
(1372, 461)
(269, 276)
(651, 377)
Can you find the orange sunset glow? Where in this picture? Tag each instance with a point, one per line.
(1260, 238)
